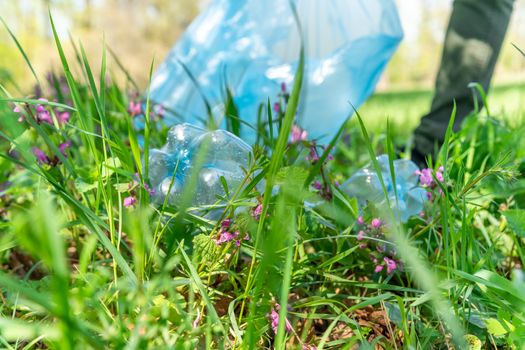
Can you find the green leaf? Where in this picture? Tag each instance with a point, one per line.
(516, 220)
(16, 330)
(110, 165)
(84, 187)
(497, 328)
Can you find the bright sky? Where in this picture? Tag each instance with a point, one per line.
(410, 13)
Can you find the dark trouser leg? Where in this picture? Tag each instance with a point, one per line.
(472, 44)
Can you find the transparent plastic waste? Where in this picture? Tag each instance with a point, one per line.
(366, 187)
(252, 47)
(170, 168)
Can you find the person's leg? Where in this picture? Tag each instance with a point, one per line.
(474, 36)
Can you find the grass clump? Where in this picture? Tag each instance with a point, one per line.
(90, 262)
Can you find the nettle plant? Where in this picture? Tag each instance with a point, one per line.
(286, 260)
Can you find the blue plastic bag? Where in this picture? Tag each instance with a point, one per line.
(252, 47)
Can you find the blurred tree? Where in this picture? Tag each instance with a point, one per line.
(138, 30)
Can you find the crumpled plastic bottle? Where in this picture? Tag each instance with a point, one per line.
(252, 46)
(366, 187)
(170, 168)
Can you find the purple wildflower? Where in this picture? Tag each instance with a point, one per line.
(129, 201)
(257, 212)
(64, 146)
(151, 191)
(44, 117)
(17, 110)
(226, 237)
(277, 107)
(298, 134)
(425, 177)
(439, 174)
(360, 220)
(134, 108)
(274, 318)
(317, 185)
(376, 223)
(63, 117)
(378, 268)
(226, 223)
(42, 114)
(360, 235)
(41, 156)
(391, 265)
(40, 108)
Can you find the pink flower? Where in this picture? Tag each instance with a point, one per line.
(274, 318)
(40, 155)
(317, 185)
(257, 212)
(129, 201)
(40, 108)
(63, 117)
(376, 223)
(19, 111)
(391, 265)
(283, 87)
(329, 157)
(298, 134)
(378, 268)
(226, 237)
(42, 114)
(238, 241)
(43, 117)
(226, 223)
(425, 177)
(151, 191)
(64, 146)
(276, 107)
(360, 235)
(134, 108)
(439, 174)
(360, 220)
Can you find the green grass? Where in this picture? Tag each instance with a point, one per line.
(405, 108)
(81, 270)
